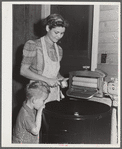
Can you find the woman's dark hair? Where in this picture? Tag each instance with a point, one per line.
(55, 20)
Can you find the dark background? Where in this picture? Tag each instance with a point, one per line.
(76, 42)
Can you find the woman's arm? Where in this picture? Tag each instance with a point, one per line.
(26, 72)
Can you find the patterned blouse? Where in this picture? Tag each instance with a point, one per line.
(35, 59)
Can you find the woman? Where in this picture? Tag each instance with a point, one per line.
(41, 58)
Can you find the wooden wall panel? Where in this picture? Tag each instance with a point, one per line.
(32, 16)
(18, 29)
(31, 20)
(108, 48)
(109, 37)
(108, 40)
(108, 26)
(112, 70)
(112, 58)
(109, 15)
(108, 7)
(24, 17)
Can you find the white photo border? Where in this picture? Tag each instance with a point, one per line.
(7, 46)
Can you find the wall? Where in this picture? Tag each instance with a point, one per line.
(108, 40)
(24, 18)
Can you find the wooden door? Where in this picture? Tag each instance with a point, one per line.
(77, 41)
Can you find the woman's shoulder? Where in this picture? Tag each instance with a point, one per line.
(38, 42)
(33, 44)
(30, 42)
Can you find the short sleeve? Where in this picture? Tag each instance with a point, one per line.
(29, 52)
(29, 124)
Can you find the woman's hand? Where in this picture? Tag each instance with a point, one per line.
(53, 82)
(64, 83)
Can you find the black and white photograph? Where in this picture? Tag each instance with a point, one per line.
(60, 74)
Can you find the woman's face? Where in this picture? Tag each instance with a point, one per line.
(55, 34)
